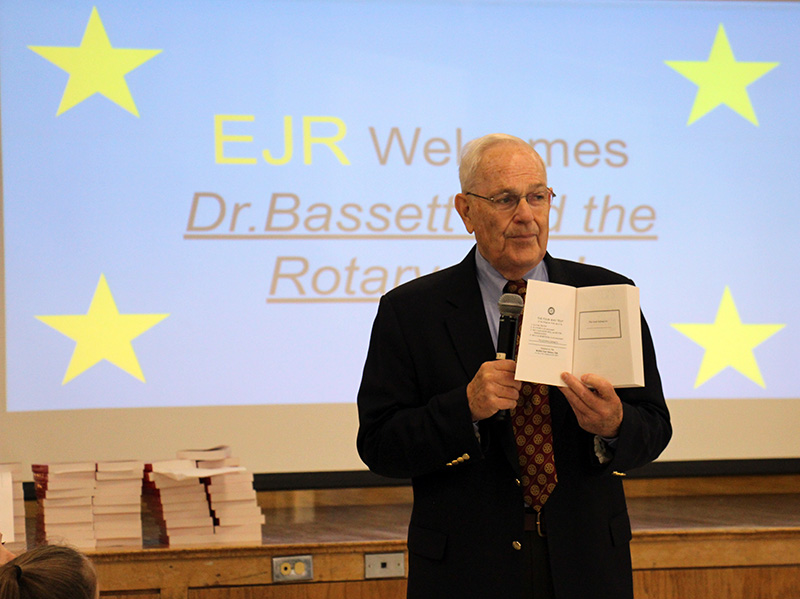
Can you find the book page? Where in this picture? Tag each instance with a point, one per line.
(546, 333)
(608, 338)
(6, 507)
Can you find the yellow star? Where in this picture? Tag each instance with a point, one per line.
(722, 80)
(95, 67)
(728, 342)
(103, 334)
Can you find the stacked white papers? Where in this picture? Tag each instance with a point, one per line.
(117, 503)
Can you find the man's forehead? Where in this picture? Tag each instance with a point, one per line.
(499, 166)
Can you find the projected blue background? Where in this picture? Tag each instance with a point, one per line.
(265, 268)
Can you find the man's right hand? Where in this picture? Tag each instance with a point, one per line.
(493, 389)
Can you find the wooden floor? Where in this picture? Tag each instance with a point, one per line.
(733, 539)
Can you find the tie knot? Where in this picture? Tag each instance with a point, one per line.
(517, 287)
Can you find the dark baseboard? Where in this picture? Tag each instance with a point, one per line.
(718, 468)
(363, 478)
(325, 480)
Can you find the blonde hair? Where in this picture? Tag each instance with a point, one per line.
(473, 151)
(48, 572)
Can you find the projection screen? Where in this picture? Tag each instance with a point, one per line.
(203, 201)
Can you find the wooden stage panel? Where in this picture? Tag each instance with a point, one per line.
(691, 538)
(388, 589)
(729, 583)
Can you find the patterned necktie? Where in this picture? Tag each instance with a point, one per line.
(533, 432)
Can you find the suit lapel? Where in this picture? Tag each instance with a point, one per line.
(472, 344)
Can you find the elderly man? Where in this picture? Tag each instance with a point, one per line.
(488, 519)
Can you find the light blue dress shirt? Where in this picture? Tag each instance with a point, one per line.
(491, 284)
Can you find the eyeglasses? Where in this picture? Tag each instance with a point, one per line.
(510, 201)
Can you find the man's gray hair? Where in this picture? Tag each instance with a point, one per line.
(472, 154)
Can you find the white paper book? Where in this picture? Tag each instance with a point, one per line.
(7, 506)
(75, 530)
(182, 496)
(110, 532)
(42, 493)
(224, 510)
(223, 463)
(191, 473)
(214, 453)
(15, 468)
(238, 528)
(66, 501)
(169, 465)
(63, 483)
(68, 515)
(581, 330)
(238, 491)
(120, 466)
(239, 534)
(134, 484)
(119, 500)
(184, 528)
(64, 467)
(181, 523)
(121, 519)
(243, 519)
(192, 539)
(66, 477)
(196, 508)
(116, 510)
(162, 480)
(119, 475)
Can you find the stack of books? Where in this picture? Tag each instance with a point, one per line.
(177, 498)
(64, 494)
(117, 503)
(232, 498)
(15, 538)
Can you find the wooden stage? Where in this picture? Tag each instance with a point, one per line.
(727, 537)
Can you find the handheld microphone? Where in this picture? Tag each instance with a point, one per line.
(510, 305)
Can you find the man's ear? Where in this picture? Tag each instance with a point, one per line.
(463, 208)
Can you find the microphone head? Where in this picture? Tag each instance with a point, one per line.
(510, 304)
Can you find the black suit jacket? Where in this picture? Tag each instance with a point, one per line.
(429, 338)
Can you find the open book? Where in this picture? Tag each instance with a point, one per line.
(581, 330)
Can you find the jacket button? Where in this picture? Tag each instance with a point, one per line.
(516, 545)
(465, 456)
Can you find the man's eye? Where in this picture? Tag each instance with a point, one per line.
(506, 200)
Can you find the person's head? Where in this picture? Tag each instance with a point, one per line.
(49, 572)
(511, 236)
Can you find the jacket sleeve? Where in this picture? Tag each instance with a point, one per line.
(646, 427)
(408, 425)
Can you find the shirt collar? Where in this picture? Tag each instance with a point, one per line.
(491, 284)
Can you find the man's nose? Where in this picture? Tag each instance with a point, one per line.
(523, 211)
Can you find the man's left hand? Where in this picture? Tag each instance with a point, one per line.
(595, 403)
